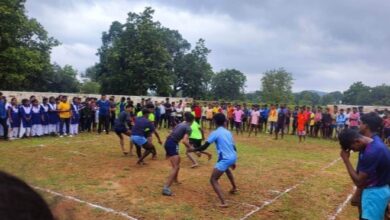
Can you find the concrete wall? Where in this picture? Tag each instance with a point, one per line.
(40, 95)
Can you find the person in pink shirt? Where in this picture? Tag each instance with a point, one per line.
(238, 115)
(254, 120)
(354, 118)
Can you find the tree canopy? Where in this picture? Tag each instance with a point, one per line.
(141, 56)
(24, 49)
(228, 85)
(277, 86)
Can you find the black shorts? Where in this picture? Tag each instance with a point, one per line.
(120, 131)
(171, 148)
(254, 125)
(237, 124)
(196, 142)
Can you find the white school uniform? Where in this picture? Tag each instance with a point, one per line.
(22, 130)
(45, 128)
(36, 129)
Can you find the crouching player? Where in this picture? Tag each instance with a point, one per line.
(372, 174)
(227, 156)
(180, 133)
(138, 136)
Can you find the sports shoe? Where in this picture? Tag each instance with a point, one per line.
(70, 136)
(61, 136)
(166, 191)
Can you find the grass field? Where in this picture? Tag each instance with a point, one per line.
(277, 179)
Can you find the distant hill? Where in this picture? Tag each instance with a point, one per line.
(320, 93)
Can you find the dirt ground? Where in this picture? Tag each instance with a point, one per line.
(277, 179)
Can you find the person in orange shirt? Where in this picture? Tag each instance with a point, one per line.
(230, 121)
(301, 121)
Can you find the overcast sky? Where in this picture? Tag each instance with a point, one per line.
(326, 45)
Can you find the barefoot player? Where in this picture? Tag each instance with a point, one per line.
(227, 156)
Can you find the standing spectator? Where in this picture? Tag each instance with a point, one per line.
(198, 113)
(120, 106)
(112, 112)
(281, 122)
(65, 113)
(340, 122)
(104, 114)
(272, 118)
(347, 115)
(14, 117)
(318, 121)
(45, 116)
(53, 116)
(301, 121)
(295, 120)
(238, 117)
(157, 114)
(162, 114)
(3, 116)
(75, 119)
(326, 123)
(264, 118)
(386, 128)
(354, 118)
(168, 112)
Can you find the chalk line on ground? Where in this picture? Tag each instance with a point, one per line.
(269, 202)
(108, 210)
(342, 205)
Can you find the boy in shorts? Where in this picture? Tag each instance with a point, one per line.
(227, 156)
(372, 174)
(182, 133)
(121, 126)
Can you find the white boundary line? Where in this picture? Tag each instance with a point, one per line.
(342, 205)
(269, 202)
(108, 210)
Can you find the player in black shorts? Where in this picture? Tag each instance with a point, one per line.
(182, 133)
(121, 126)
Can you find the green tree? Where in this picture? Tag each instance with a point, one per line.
(307, 98)
(134, 58)
(357, 94)
(253, 97)
(90, 87)
(380, 95)
(228, 85)
(332, 98)
(276, 86)
(24, 49)
(63, 79)
(193, 73)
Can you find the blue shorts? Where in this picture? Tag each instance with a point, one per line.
(171, 148)
(139, 140)
(374, 202)
(224, 164)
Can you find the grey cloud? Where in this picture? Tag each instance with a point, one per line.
(325, 44)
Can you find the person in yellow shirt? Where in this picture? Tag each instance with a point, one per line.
(64, 111)
(272, 119)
